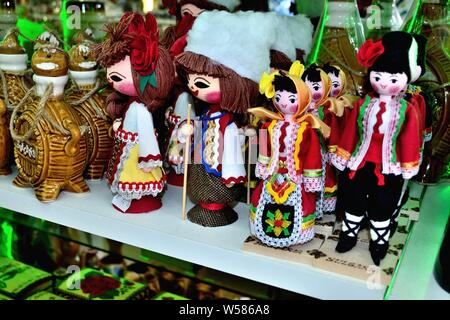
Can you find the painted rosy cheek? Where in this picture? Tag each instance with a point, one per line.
(213, 97)
(126, 88)
(375, 87)
(293, 108)
(335, 92)
(316, 96)
(394, 90)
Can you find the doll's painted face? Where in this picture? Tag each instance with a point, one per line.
(316, 89)
(286, 102)
(205, 88)
(336, 84)
(388, 84)
(120, 77)
(191, 9)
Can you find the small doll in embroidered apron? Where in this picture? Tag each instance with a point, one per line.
(380, 146)
(142, 73)
(91, 107)
(13, 86)
(283, 206)
(319, 85)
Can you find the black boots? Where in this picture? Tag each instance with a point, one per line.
(349, 234)
(379, 234)
(379, 243)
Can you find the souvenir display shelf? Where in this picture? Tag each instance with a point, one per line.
(164, 232)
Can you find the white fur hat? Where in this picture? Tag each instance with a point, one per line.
(293, 32)
(230, 4)
(240, 41)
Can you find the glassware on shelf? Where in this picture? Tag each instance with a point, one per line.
(96, 19)
(340, 39)
(383, 17)
(91, 15)
(8, 17)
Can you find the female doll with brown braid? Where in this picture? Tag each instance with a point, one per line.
(142, 73)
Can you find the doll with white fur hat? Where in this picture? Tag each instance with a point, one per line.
(285, 37)
(174, 39)
(185, 12)
(223, 72)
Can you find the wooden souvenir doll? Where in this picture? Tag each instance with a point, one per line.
(223, 75)
(175, 39)
(49, 143)
(142, 74)
(380, 145)
(333, 112)
(13, 64)
(91, 107)
(282, 211)
(319, 85)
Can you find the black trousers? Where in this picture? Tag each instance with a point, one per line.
(363, 194)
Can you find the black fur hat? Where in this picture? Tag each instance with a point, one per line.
(400, 55)
(421, 53)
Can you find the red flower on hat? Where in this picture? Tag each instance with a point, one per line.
(143, 37)
(171, 5)
(369, 53)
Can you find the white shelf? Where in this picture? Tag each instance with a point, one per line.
(165, 232)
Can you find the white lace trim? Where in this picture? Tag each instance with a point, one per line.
(297, 236)
(313, 184)
(150, 164)
(133, 193)
(125, 154)
(409, 173)
(338, 162)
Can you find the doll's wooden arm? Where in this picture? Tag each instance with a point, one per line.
(264, 151)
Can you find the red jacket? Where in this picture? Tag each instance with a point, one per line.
(401, 142)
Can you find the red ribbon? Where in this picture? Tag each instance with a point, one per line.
(212, 206)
